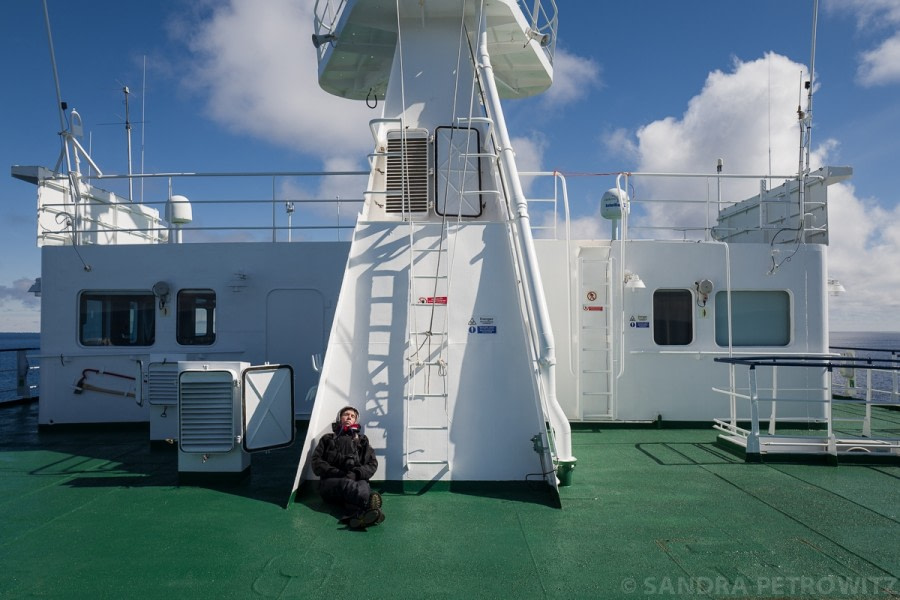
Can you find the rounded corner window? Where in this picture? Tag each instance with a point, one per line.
(196, 317)
(758, 318)
(117, 319)
(673, 317)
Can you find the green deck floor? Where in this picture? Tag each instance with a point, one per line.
(652, 513)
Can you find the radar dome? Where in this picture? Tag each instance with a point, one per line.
(179, 210)
(613, 203)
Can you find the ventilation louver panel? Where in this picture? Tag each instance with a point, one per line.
(407, 172)
(162, 384)
(206, 415)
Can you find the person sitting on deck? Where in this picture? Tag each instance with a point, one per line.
(344, 462)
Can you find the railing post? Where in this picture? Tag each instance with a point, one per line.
(753, 454)
(274, 218)
(22, 389)
(774, 400)
(867, 420)
(895, 397)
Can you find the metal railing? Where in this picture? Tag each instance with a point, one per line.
(865, 379)
(19, 374)
(672, 206)
(851, 425)
(323, 206)
(542, 17)
(225, 206)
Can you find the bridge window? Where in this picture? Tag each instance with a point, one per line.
(117, 319)
(673, 317)
(196, 317)
(758, 318)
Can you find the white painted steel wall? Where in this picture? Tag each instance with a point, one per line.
(675, 382)
(491, 411)
(281, 313)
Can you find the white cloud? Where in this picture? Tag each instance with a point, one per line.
(18, 292)
(742, 116)
(621, 142)
(747, 117)
(881, 65)
(19, 310)
(870, 14)
(573, 78)
(864, 252)
(529, 152)
(256, 64)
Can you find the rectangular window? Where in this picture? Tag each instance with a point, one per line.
(758, 318)
(673, 317)
(196, 317)
(117, 319)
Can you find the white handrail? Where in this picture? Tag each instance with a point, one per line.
(547, 358)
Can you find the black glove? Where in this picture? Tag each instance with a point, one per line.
(351, 475)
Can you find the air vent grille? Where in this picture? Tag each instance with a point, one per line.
(407, 172)
(206, 412)
(162, 384)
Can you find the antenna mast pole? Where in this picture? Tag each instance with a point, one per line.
(60, 105)
(806, 129)
(143, 122)
(809, 91)
(128, 138)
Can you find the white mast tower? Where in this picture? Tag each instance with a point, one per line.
(441, 337)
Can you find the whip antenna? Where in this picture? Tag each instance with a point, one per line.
(60, 105)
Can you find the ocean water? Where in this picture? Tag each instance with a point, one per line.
(868, 339)
(9, 341)
(19, 340)
(870, 344)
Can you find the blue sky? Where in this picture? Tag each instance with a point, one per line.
(649, 85)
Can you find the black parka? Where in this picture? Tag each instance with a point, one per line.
(343, 454)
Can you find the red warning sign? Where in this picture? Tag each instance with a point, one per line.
(433, 300)
(592, 308)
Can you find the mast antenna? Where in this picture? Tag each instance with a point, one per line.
(60, 105)
(126, 91)
(143, 121)
(806, 128)
(809, 84)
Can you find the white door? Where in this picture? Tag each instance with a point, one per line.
(268, 407)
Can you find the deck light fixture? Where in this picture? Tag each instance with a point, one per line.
(835, 288)
(633, 281)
